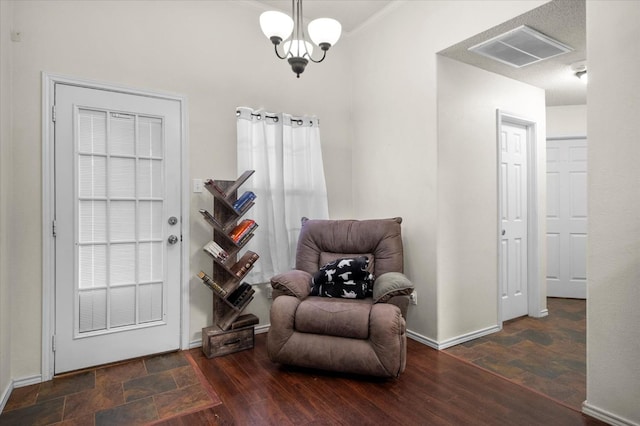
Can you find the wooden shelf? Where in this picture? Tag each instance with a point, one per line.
(220, 338)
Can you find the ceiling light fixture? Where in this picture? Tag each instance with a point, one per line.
(278, 26)
(582, 75)
(580, 70)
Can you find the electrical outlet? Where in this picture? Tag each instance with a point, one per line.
(413, 298)
(269, 292)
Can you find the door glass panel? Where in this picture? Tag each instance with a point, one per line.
(150, 220)
(121, 137)
(150, 305)
(122, 306)
(150, 137)
(122, 264)
(122, 177)
(93, 310)
(151, 264)
(150, 178)
(120, 226)
(122, 220)
(92, 217)
(92, 262)
(92, 131)
(92, 176)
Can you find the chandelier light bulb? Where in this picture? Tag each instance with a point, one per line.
(297, 48)
(276, 24)
(325, 30)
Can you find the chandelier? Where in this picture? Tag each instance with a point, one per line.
(278, 26)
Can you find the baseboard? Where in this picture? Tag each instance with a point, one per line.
(195, 344)
(25, 381)
(454, 340)
(605, 416)
(262, 328)
(5, 396)
(422, 339)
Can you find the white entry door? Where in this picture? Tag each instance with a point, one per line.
(513, 219)
(117, 183)
(567, 218)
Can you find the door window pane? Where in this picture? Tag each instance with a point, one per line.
(93, 310)
(122, 306)
(122, 220)
(150, 304)
(122, 136)
(92, 132)
(150, 137)
(92, 221)
(122, 264)
(150, 219)
(122, 177)
(92, 176)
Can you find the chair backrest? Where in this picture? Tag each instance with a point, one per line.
(322, 241)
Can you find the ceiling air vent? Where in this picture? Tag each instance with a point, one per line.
(521, 46)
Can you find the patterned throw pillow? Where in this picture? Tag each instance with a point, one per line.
(345, 277)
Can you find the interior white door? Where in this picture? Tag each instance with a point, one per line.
(567, 218)
(513, 218)
(117, 183)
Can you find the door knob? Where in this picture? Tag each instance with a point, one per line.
(172, 239)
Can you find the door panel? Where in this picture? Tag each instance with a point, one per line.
(567, 218)
(514, 227)
(117, 168)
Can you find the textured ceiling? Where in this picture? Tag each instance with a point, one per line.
(563, 20)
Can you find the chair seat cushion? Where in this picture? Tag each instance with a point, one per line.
(334, 317)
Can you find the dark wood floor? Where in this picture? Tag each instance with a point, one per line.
(435, 389)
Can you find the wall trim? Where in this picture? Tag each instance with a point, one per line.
(49, 81)
(4, 397)
(606, 416)
(566, 138)
(422, 339)
(454, 340)
(18, 383)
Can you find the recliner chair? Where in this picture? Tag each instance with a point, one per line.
(362, 336)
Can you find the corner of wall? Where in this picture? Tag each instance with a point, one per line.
(6, 20)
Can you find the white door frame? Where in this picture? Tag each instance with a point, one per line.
(48, 208)
(534, 290)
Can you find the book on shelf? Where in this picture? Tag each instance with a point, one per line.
(243, 200)
(210, 218)
(209, 282)
(238, 297)
(210, 183)
(244, 264)
(216, 251)
(242, 229)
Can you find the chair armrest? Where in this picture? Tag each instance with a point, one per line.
(292, 283)
(390, 285)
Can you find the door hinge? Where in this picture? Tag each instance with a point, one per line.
(53, 113)
(53, 228)
(53, 343)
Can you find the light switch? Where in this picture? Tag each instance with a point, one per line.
(197, 185)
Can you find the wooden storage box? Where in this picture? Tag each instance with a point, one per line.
(216, 342)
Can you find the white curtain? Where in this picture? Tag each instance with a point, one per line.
(288, 181)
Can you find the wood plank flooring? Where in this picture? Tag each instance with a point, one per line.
(435, 389)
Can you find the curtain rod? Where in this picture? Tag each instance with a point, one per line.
(298, 120)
